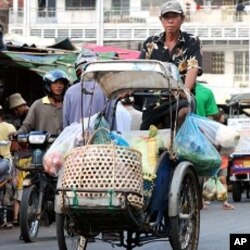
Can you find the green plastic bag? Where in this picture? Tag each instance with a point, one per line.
(192, 145)
(102, 131)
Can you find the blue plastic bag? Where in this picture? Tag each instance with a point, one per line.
(192, 145)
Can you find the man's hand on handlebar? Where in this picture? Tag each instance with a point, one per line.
(15, 145)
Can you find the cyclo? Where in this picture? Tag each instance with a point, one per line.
(101, 188)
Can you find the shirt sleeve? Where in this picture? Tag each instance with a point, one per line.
(211, 106)
(29, 122)
(195, 55)
(66, 107)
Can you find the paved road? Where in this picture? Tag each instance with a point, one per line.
(216, 226)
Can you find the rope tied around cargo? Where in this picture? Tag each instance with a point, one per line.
(111, 191)
(75, 199)
(111, 195)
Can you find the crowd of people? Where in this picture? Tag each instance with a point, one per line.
(61, 106)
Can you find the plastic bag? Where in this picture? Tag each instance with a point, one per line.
(192, 145)
(221, 192)
(149, 148)
(102, 130)
(70, 137)
(123, 118)
(53, 159)
(217, 133)
(209, 189)
(117, 139)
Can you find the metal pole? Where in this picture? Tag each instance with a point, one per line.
(25, 17)
(100, 12)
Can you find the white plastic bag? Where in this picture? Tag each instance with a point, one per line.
(123, 118)
(70, 137)
(218, 134)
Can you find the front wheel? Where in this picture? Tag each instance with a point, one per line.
(29, 222)
(67, 237)
(185, 226)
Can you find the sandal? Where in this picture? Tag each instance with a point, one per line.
(6, 225)
(228, 206)
(15, 222)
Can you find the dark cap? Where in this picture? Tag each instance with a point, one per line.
(171, 6)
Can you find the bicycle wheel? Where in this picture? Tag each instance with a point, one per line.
(67, 237)
(185, 227)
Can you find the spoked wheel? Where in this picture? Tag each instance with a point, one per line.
(67, 238)
(29, 224)
(185, 227)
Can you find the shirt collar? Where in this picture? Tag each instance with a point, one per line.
(162, 36)
(45, 100)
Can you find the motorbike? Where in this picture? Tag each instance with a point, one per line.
(102, 189)
(37, 201)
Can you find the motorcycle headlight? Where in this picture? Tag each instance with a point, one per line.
(37, 139)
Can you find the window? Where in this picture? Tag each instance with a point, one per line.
(241, 65)
(213, 62)
(218, 63)
(145, 4)
(120, 4)
(80, 4)
(46, 8)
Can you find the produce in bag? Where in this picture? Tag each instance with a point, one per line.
(69, 138)
(217, 133)
(221, 192)
(192, 145)
(149, 148)
(209, 189)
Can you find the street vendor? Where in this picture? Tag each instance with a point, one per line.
(177, 47)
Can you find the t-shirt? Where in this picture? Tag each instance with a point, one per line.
(5, 130)
(205, 101)
(43, 115)
(77, 105)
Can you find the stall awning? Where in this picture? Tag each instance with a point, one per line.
(120, 52)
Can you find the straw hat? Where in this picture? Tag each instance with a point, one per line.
(15, 100)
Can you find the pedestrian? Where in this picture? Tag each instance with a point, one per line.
(224, 164)
(205, 106)
(136, 115)
(77, 105)
(85, 99)
(240, 7)
(205, 102)
(5, 166)
(175, 46)
(19, 109)
(1, 38)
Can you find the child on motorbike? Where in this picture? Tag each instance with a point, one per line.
(5, 160)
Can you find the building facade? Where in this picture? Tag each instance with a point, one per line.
(224, 32)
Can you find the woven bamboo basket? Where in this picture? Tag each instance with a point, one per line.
(107, 168)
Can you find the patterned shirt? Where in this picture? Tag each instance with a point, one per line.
(185, 55)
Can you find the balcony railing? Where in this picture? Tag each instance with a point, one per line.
(215, 23)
